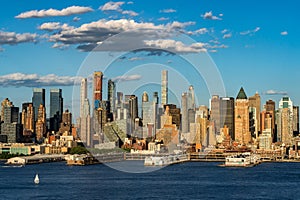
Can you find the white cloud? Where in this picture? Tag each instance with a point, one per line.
(163, 19)
(176, 46)
(209, 15)
(13, 38)
(53, 12)
(228, 35)
(170, 10)
(127, 78)
(274, 92)
(35, 80)
(250, 32)
(51, 26)
(110, 6)
(60, 46)
(200, 31)
(130, 2)
(98, 31)
(284, 33)
(130, 12)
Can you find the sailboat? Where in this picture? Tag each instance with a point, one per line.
(36, 179)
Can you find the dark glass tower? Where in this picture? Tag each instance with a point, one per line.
(56, 108)
(37, 99)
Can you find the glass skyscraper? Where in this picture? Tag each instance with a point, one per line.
(37, 99)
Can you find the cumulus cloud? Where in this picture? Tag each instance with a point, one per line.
(274, 92)
(250, 32)
(110, 6)
(51, 26)
(35, 80)
(53, 12)
(170, 10)
(176, 46)
(200, 31)
(209, 15)
(127, 78)
(284, 33)
(12, 38)
(91, 34)
(130, 13)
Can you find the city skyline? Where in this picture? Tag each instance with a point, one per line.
(244, 46)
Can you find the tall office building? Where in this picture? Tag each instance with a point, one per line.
(164, 87)
(227, 114)
(83, 94)
(215, 112)
(254, 102)
(38, 98)
(242, 132)
(184, 113)
(97, 89)
(56, 108)
(296, 120)
(133, 111)
(270, 107)
(285, 121)
(111, 95)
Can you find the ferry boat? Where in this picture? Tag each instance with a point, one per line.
(242, 160)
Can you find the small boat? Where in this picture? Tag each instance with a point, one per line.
(36, 179)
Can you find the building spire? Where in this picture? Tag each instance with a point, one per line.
(241, 94)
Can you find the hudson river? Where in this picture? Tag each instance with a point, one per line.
(191, 180)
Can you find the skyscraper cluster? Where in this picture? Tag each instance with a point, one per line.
(31, 124)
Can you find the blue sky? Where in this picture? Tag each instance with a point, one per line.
(254, 44)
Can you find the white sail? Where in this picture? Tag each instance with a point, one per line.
(36, 179)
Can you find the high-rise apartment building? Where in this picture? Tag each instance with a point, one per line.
(285, 121)
(111, 95)
(215, 112)
(164, 87)
(83, 94)
(27, 119)
(40, 126)
(184, 113)
(97, 89)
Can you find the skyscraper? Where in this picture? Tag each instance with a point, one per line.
(27, 119)
(227, 114)
(38, 98)
(164, 87)
(149, 115)
(270, 107)
(254, 102)
(56, 108)
(191, 98)
(184, 113)
(285, 121)
(242, 132)
(215, 112)
(83, 94)
(10, 128)
(111, 95)
(40, 126)
(97, 89)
